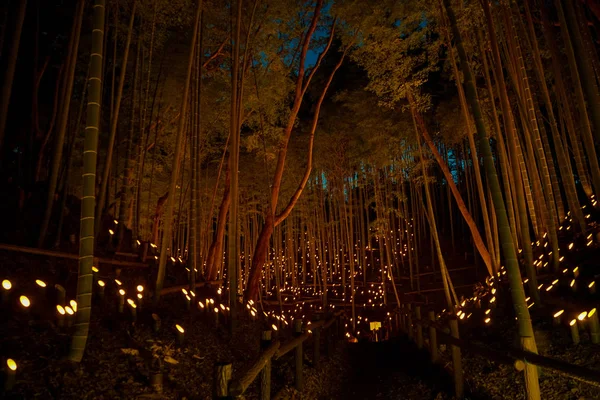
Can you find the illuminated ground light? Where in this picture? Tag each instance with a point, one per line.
(24, 301)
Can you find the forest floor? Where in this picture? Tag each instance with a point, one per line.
(118, 361)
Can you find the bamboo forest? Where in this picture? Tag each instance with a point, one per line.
(300, 199)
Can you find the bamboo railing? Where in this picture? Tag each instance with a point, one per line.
(410, 321)
(227, 388)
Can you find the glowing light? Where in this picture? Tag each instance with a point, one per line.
(592, 312)
(488, 320)
(572, 283)
(200, 304)
(274, 327)
(73, 304)
(179, 328)
(6, 284)
(582, 316)
(60, 309)
(69, 310)
(12, 365)
(558, 313)
(573, 322)
(118, 282)
(121, 292)
(140, 288)
(40, 283)
(111, 231)
(101, 283)
(591, 285)
(24, 301)
(94, 269)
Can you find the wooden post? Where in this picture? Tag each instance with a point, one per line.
(299, 358)
(317, 343)
(265, 374)
(409, 321)
(222, 379)
(419, 327)
(456, 362)
(433, 338)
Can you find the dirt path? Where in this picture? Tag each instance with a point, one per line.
(393, 370)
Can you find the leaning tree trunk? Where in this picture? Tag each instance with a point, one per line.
(510, 255)
(90, 150)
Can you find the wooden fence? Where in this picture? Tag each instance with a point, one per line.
(411, 320)
(318, 330)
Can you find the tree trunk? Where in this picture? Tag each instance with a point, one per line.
(9, 73)
(90, 150)
(510, 255)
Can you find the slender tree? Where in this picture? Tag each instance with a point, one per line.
(90, 150)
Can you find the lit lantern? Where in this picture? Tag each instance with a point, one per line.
(594, 326)
(60, 320)
(574, 331)
(6, 286)
(11, 372)
(101, 286)
(133, 308)
(25, 301)
(180, 334)
(69, 316)
(121, 303)
(556, 317)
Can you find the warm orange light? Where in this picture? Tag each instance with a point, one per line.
(24, 301)
(121, 292)
(118, 282)
(140, 288)
(558, 313)
(6, 284)
(179, 328)
(60, 309)
(12, 365)
(274, 327)
(40, 283)
(69, 310)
